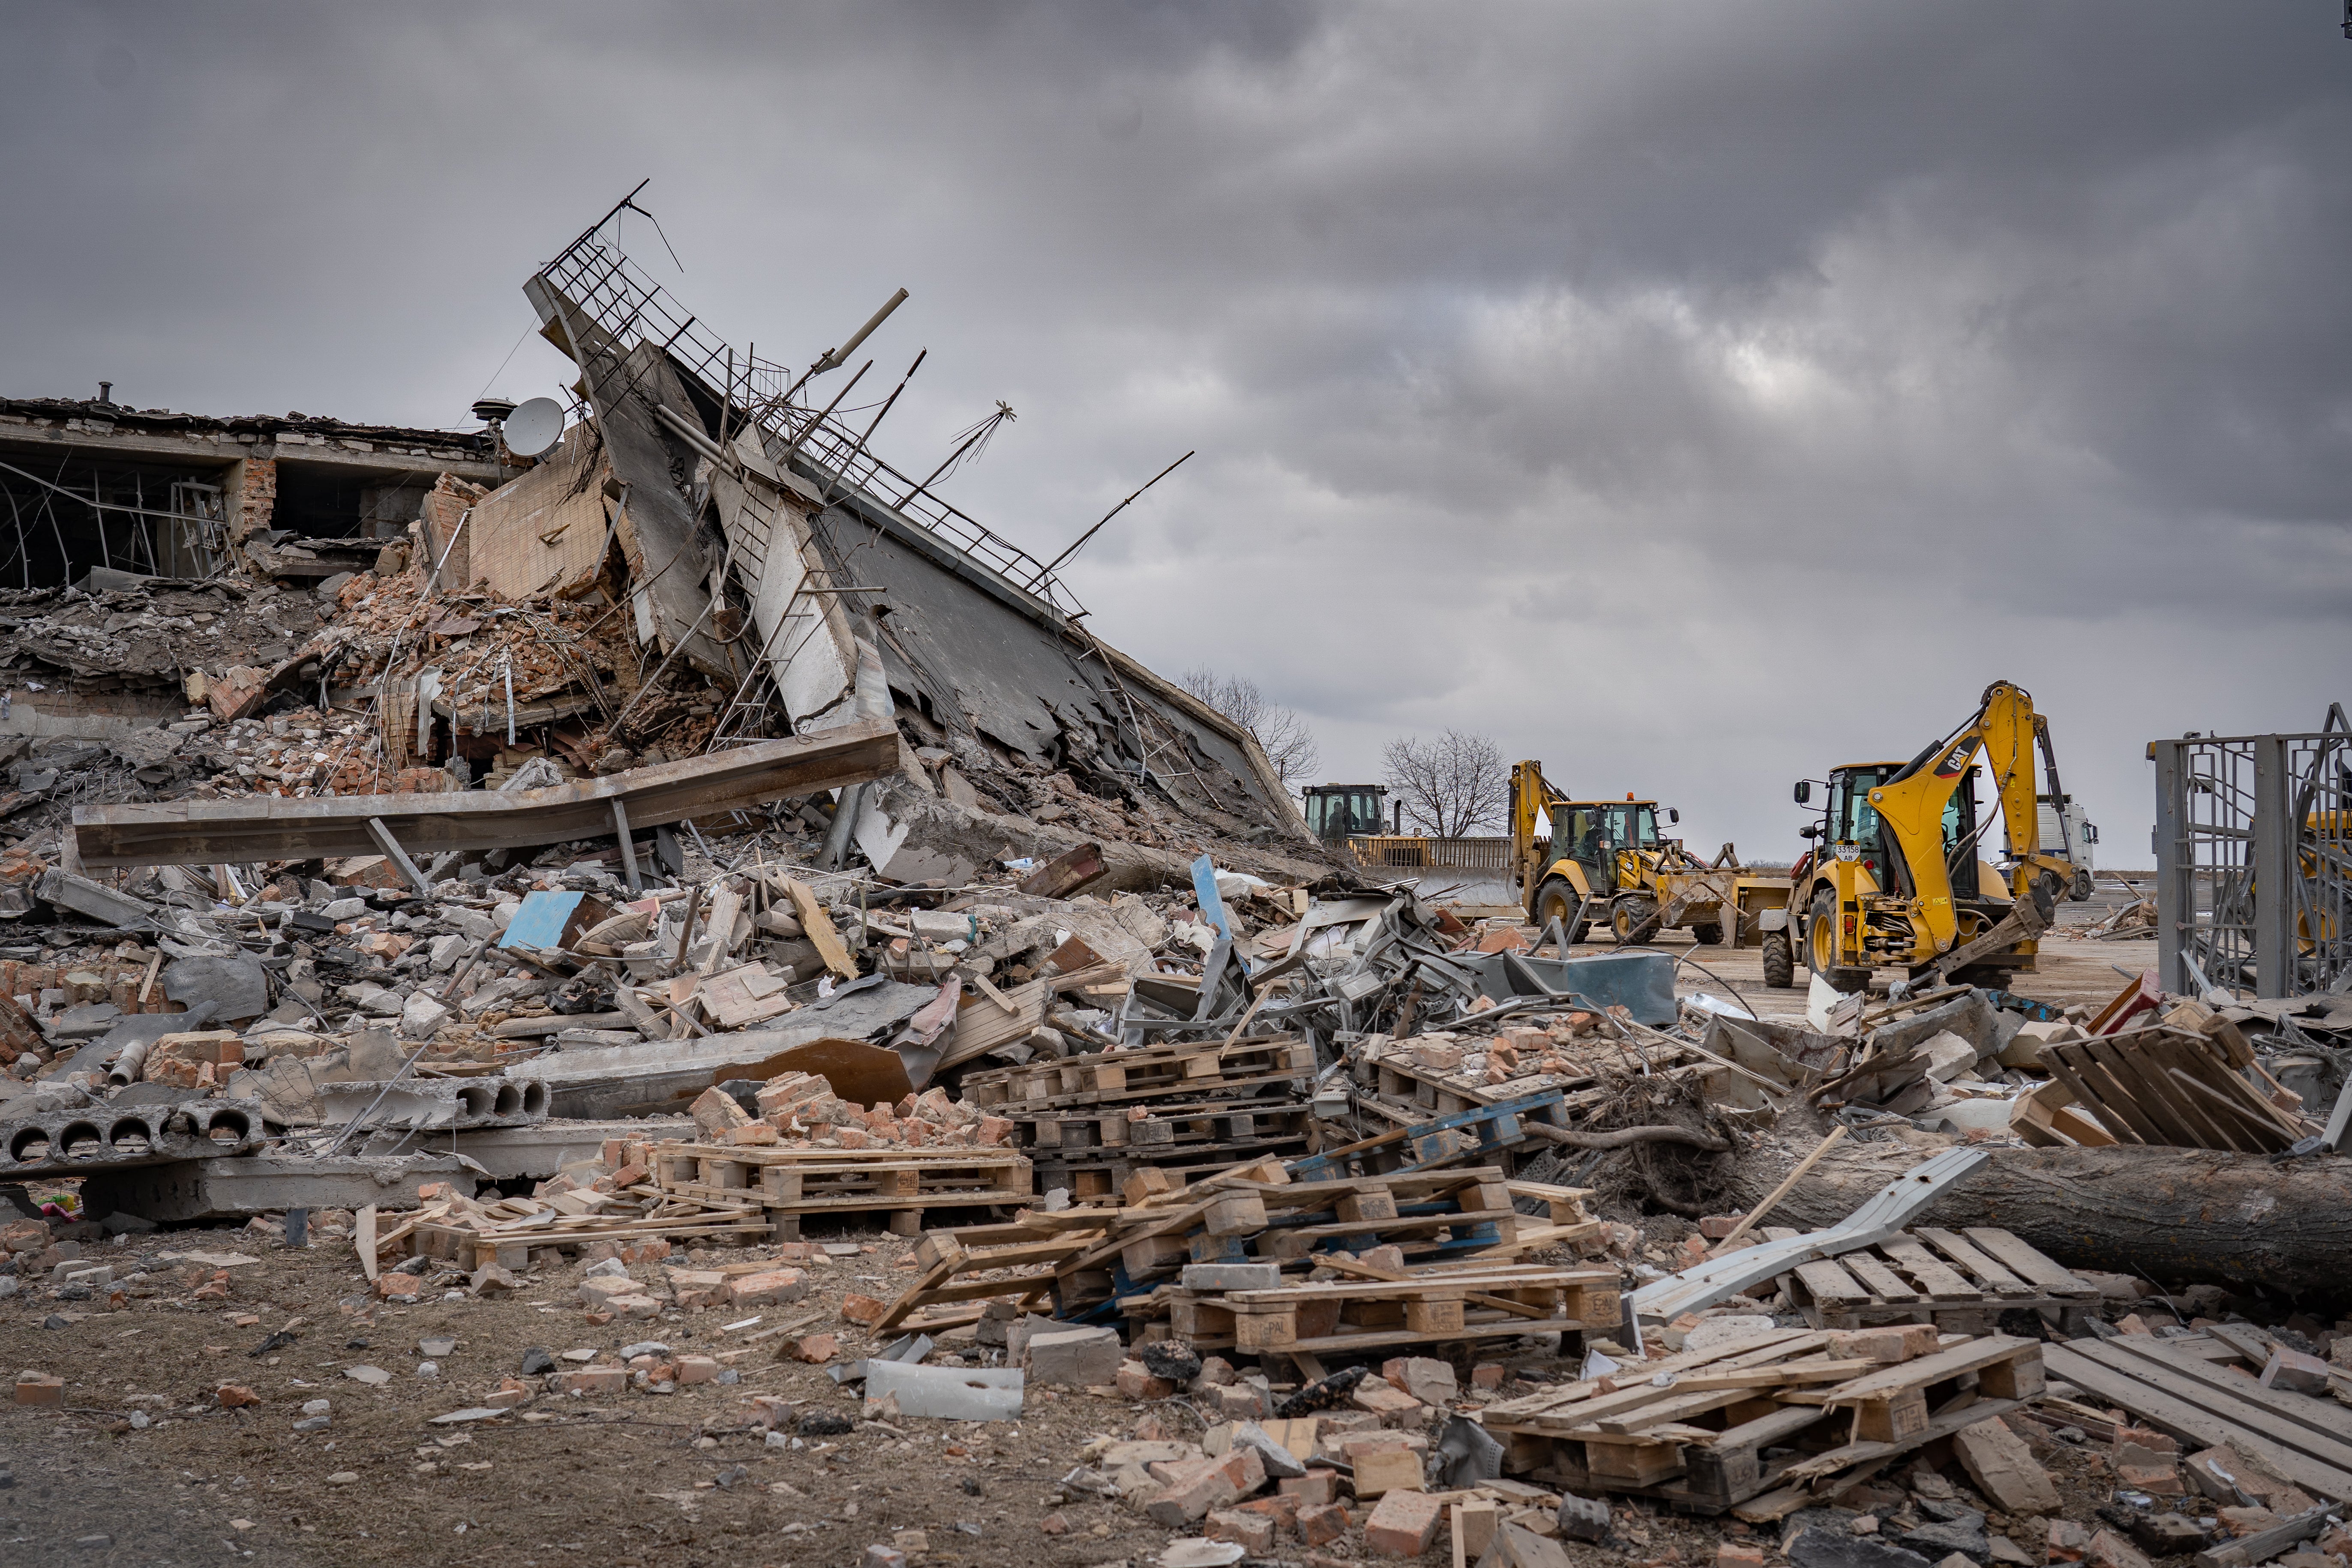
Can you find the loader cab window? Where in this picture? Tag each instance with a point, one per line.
(1852, 819)
(1335, 811)
(1959, 816)
(1960, 846)
(1630, 824)
(1576, 835)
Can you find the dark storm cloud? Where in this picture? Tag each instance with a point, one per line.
(1690, 395)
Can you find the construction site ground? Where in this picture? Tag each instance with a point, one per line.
(2067, 970)
(617, 1481)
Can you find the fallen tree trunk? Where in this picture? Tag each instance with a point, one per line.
(2174, 1214)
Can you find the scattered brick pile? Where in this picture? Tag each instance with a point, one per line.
(801, 1108)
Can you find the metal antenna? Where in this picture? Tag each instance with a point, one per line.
(1046, 570)
(833, 358)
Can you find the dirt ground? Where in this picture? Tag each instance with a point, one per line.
(634, 1479)
(2068, 970)
(629, 1480)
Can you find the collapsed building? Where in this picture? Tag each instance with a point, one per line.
(551, 879)
(100, 495)
(699, 562)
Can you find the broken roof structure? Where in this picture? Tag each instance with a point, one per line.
(772, 549)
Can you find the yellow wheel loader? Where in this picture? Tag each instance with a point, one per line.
(1606, 862)
(1894, 876)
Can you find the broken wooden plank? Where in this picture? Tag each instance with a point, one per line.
(1066, 873)
(817, 926)
(2172, 1405)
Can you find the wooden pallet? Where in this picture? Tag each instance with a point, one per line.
(786, 1182)
(1170, 1127)
(506, 1232)
(1250, 1214)
(1960, 1281)
(1390, 1072)
(1471, 1135)
(2179, 1388)
(1103, 1175)
(2171, 1087)
(1124, 1077)
(1439, 1306)
(1763, 1426)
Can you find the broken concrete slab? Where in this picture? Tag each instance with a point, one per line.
(540, 1149)
(946, 1393)
(91, 900)
(235, 985)
(440, 1104)
(102, 1135)
(664, 1075)
(195, 1190)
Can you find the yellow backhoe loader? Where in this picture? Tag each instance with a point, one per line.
(1894, 878)
(1606, 862)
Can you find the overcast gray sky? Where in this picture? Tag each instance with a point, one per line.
(1688, 395)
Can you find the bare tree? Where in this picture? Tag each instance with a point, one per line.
(1280, 733)
(1450, 787)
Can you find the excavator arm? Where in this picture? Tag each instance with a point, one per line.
(1528, 795)
(1533, 796)
(2007, 729)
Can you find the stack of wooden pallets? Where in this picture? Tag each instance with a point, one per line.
(1763, 1427)
(782, 1183)
(1085, 1257)
(1447, 1304)
(1090, 1122)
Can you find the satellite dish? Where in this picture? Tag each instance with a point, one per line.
(534, 426)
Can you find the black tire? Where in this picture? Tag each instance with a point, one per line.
(1706, 936)
(1779, 963)
(1820, 946)
(1556, 899)
(1634, 920)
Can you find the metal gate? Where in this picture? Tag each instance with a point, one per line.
(2253, 847)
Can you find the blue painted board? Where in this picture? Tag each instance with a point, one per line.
(541, 921)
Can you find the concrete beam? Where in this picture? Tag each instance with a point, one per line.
(198, 832)
(191, 1190)
(539, 1151)
(443, 1104)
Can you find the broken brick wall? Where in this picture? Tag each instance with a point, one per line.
(252, 496)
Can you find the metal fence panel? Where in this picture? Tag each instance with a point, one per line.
(2253, 847)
